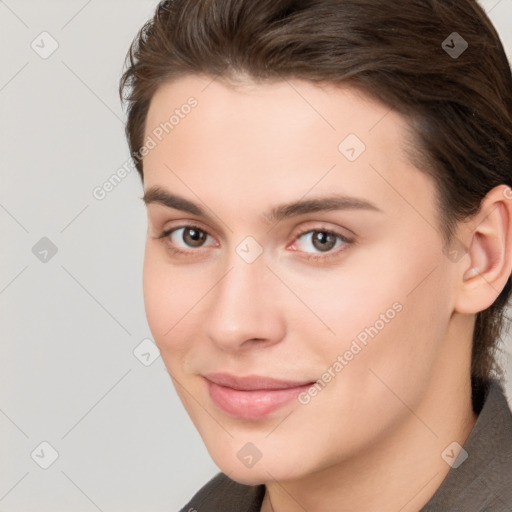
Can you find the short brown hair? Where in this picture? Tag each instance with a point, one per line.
(459, 107)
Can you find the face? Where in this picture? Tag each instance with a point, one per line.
(347, 294)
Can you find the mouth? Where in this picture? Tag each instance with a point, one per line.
(252, 397)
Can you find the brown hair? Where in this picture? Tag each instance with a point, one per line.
(458, 106)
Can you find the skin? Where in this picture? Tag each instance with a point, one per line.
(372, 439)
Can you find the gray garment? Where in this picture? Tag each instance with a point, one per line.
(482, 483)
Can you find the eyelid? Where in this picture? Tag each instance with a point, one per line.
(322, 228)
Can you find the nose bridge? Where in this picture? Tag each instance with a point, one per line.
(239, 293)
(240, 306)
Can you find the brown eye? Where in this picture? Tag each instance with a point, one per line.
(321, 244)
(185, 238)
(323, 240)
(194, 237)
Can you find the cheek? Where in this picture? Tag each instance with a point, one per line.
(382, 315)
(155, 297)
(176, 306)
(165, 296)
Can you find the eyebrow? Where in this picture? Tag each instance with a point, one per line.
(278, 213)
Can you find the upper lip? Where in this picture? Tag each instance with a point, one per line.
(252, 382)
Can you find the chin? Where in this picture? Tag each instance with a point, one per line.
(263, 471)
(249, 478)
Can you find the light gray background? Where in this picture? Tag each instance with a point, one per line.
(70, 325)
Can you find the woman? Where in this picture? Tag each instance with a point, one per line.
(329, 247)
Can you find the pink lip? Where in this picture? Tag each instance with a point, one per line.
(251, 397)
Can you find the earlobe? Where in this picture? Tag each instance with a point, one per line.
(489, 248)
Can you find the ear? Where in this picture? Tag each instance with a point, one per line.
(488, 238)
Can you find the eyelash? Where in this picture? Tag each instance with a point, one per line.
(309, 256)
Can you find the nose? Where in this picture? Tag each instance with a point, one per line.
(244, 307)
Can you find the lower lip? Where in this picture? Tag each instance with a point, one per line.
(252, 405)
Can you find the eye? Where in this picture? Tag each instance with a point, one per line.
(322, 241)
(182, 240)
(185, 237)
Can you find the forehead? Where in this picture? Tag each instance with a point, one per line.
(288, 104)
(256, 137)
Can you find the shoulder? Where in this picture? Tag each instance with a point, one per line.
(222, 494)
(483, 480)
